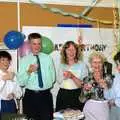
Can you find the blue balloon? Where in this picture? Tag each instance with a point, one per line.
(14, 39)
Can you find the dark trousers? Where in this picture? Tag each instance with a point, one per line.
(68, 99)
(38, 105)
(8, 106)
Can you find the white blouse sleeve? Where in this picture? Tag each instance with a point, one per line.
(59, 75)
(17, 89)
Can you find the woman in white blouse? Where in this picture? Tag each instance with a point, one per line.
(9, 89)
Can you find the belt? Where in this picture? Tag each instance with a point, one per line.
(37, 91)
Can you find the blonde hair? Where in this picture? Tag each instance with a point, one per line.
(98, 54)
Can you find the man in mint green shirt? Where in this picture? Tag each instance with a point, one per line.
(37, 101)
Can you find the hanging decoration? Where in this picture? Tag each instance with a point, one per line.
(118, 6)
(75, 15)
(115, 29)
(89, 8)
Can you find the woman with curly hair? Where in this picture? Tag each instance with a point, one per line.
(71, 73)
(95, 84)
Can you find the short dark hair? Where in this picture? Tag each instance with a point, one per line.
(34, 36)
(5, 54)
(117, 57)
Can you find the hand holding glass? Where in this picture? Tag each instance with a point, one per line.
(33, 68)
(67, 74)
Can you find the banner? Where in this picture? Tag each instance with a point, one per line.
(93, 38)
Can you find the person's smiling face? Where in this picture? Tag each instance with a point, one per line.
(4, 63)
(71, 52)
(96, 63)
(35, 45)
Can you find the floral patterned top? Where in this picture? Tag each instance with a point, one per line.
(96, 92)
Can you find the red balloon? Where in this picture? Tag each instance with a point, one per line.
(24, 49)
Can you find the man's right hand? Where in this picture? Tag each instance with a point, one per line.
(32, 68)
